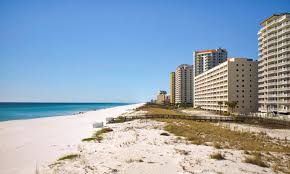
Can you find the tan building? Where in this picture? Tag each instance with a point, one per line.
(274, 64)
(206, 59)
(234, 80)
(172, 87)
(161, 97)
(183, 84)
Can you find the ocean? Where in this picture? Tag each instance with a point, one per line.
(21, 111)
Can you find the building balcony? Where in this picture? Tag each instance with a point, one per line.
(284, 31)
(271, 42)
(283, 69)
(283, 25)
(281, 57)
(283, 38)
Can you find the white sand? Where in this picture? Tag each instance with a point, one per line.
(137, 147)
(27, 143)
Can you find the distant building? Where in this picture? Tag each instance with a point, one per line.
(207, 59)
(183, 84)
(234, 80)
(172, 87)
(161, 97)
(274, 64)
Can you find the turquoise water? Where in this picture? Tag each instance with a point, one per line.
(19, 111)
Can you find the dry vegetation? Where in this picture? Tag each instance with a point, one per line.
(276, 152)
(154, 109)
(217, 156)
(69, 157)
(98, 135)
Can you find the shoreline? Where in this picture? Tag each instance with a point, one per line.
(73, 113)
(25, 144)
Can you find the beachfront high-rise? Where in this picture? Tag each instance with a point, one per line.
(207, 59)
(274, 64)
(234, 80)
(172, 87)
(183, 84)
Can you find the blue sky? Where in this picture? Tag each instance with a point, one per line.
(116, 50)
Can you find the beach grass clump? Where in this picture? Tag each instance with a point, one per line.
(165, 134)
(217, 156)
(256, 159)
(69, 157)
(98, 135)
(120, 119)
(217, 145)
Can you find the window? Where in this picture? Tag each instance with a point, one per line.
(237, 64)
(237, 69)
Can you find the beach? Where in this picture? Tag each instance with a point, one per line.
(138, 147)
(27, 144)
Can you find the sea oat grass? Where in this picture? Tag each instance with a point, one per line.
(69, 157)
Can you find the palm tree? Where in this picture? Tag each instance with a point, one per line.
(220, 103)
(232, 105)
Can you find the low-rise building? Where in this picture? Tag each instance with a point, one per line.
(234, 80)
(161, 97)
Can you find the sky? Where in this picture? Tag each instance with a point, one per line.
(116, 50)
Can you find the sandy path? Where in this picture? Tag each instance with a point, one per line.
(27, 143)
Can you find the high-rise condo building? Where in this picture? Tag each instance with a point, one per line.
(207, 59)
(184, 84)
(234, 80)
(274, 64)
(172, 87)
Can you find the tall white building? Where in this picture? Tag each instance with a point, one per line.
(274, 64)
(184, 84)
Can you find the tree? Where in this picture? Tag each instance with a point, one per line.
(232, 105)
(220, 103)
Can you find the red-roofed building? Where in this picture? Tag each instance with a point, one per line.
(207, 59)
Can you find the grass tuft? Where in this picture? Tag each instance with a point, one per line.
(98, 135)
(256, 160)
(217, 156)
(69, 157)
(165, 134)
